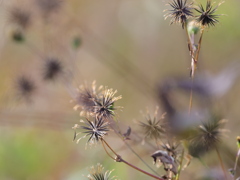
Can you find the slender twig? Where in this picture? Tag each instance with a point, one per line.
(132, 150)
(191, 50)
(109, 147)
(119, 159)
(199, 46)
(235, 165)
(140, 158)
(221, 163)
(106, 150)
(180, 166)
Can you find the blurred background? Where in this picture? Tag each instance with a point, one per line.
(123, 44)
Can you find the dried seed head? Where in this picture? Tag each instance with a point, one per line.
(25, 87)
(153, 127)
(95, 130)
(208, 135)
(207, 18)
(180, 13)
(97, 102)
(52, 69)
(104, 104)
(97, 173)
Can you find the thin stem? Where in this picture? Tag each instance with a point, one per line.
(109, 147)
(190, 98)
(190, 46)
(134, 152)
(140, 158)
(119, 159)
(221, 163)
(199, 46)
(106, 150)
(180, 166)
(136, 168)
(235, 165)
(189, 41)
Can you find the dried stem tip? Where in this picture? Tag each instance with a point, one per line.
(180, 13)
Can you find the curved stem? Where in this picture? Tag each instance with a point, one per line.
(107, 151)
(119, 159)
(109, 147)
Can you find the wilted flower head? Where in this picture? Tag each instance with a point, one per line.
(207, 16)
(180, 13)
(96, 102)
(95, 130)
(25, 87)
(52, 68)
(167, 160)
(97, 173)
(104, 105)
(20, 17)
(153, 127)
(208, 135)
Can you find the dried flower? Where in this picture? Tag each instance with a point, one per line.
(153, 128)
(52, 68)
(20, 17)
(97, 173)
(25, 87)
(96, 130)
(167, 160)
(104, 104)
(207, 16)
(208, 135)
(97, 102)
(180, 13)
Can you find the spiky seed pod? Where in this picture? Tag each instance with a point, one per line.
(180, 13)
(208, 135)
(96, 102)
(20, 17)
(86, 97)
(104, 104)
(52, 69)
(97, 173)
(25, 87)
(96, 130)
(153, 127)
(207, 18)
